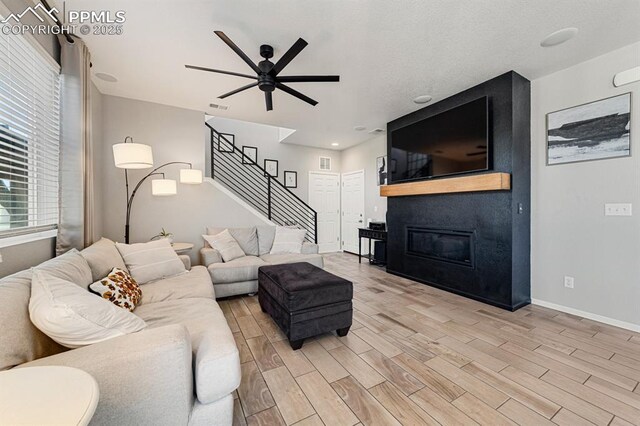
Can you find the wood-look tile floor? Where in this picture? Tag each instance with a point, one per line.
(416, 355)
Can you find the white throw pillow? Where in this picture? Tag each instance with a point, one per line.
(72, 316)
(227, 245)
(288, 240)
(151, 261)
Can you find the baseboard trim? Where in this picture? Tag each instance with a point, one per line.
(587, 315)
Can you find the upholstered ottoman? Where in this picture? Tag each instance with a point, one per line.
(305, 300)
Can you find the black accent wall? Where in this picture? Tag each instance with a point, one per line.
(499, 220)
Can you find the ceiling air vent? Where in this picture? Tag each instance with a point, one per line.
(220, 107)
(325, 163)
(376, 131)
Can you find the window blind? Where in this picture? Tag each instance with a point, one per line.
(29, 138)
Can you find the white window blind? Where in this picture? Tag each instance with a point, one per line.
(29, 138)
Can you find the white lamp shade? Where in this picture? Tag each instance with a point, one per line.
(132, 156)
(191, 176)
(163, 187)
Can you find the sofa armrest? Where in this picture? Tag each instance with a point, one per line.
(144, 377)
(209, 256)
(186, 260)
(309, 248)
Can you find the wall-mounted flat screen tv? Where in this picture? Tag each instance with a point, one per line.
(452, 142)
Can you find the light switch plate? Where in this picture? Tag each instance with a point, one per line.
(617, 209)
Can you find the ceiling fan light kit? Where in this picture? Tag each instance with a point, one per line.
(267, 73)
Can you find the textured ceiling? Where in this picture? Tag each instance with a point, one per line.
(385, 51)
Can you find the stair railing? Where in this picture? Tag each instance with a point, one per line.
(251, 182)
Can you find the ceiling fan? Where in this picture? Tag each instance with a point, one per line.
(267, 73)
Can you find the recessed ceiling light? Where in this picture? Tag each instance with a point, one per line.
(106, 77)
(359, 128)
(559, 37)
(422, 99)
(335, 144)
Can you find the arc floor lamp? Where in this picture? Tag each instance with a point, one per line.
(129, 155)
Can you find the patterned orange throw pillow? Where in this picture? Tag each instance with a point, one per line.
(119, 288)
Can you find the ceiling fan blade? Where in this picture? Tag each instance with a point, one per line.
(239, 52)
(233, 92)
(288, 56)
(308, 78)
(268, 98)
(193, 67)
(295, 93)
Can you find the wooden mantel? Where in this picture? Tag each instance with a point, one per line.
(474, 183)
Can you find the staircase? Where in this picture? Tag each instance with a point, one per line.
(249, 181)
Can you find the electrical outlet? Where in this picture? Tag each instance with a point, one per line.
(617, 209)
(568, 281)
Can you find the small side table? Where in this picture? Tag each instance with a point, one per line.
(370, 234)
(182, 248)
(49, 395)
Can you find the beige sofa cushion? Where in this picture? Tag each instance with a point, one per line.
(215, 355)
(266, 234)
(288, 240)
(195, 283)
(72, 316)
(242, 269)
(247, 238)
(20, 340)
(278, 259)
(226, 245)
(151, 261)
(102, 257)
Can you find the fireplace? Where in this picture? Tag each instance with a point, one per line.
(472, 243)
(443, 245)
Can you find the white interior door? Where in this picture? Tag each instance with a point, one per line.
(352, 210)
(324, 198)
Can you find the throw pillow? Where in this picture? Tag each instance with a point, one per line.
(72, 316)
(227, 246)
(118, 288)
(266, 233)
(102, 257)
(151, 261)
(247, 238)
(288, 240)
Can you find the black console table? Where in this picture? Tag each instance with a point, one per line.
(370, 234)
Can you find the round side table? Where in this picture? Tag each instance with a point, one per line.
(182, 248)
(49, 395)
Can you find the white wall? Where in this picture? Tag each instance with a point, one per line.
(363, 157)
(298, 158)
(175, 134)
(570, 234)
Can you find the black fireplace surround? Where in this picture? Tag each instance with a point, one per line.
(475, 244)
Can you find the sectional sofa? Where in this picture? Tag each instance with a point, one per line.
(240, 276)
(181, 369)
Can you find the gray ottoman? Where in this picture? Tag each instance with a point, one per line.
(305, 301)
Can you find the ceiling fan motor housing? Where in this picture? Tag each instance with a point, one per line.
(266, 82)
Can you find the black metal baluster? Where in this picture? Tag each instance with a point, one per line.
(269, 194)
